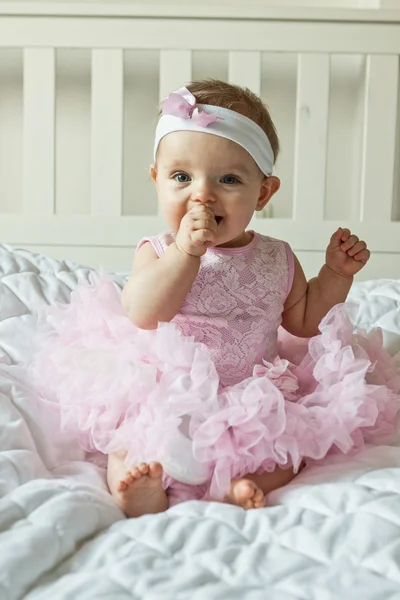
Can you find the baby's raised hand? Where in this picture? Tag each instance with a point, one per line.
(346, 254)
(197, 231)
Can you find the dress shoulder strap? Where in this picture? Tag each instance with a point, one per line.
(285, 251)
(159, 242)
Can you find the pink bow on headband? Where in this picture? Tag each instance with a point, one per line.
(182, 104)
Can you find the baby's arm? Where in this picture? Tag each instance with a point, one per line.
(309, 302)
(158, 286)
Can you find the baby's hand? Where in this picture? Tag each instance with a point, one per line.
(197, 231)
(345, 254)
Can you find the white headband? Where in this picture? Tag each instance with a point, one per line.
(181, 113)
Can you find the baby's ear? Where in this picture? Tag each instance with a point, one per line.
(269, 187)
(153, 173)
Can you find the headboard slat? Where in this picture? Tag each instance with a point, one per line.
(379, 140)
(175, 70)
(107, 131)
(312, 110)
(245, 69)
(38, 131)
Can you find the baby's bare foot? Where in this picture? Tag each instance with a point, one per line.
(139, 491)
(245, 493)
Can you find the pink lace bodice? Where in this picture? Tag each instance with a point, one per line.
(236, 302)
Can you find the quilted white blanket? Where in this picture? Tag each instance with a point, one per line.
(333, 533)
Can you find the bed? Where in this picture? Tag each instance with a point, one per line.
(76, 82)
(334, 532)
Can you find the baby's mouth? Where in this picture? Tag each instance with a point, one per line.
(218, 219)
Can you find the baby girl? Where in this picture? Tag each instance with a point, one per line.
(193, 399)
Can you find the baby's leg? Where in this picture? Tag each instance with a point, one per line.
(250, 491)
(138, 491)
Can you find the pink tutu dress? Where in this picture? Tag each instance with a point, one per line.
(215, 378)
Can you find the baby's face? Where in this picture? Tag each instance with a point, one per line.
(194, 167)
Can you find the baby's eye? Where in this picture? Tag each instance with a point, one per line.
(229, 179)
(181, 177)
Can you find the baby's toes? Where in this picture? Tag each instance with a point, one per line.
(245, 493)
(155, 470)
(258, 497)
(254, 496)
(248, 504)
(125, 482)
(129, 478)
(249, 489)
(136, 474)
(259, 503)
(143, 468)
(122, 486)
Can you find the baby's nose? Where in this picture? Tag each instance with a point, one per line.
(204, 194)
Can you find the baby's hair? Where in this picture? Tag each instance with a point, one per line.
(239, 99)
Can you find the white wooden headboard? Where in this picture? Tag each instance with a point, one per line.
(79, 84)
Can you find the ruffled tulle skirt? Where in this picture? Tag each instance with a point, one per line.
(157, 395)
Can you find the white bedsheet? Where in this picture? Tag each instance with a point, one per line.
(333, 533)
